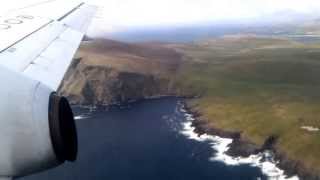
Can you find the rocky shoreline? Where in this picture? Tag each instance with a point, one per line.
(242, 147)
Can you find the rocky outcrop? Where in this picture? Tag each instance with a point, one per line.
(96, 85)
(107, 72)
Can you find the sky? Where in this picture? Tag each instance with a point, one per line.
(118, 15)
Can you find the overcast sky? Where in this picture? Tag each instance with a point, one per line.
(115, 15)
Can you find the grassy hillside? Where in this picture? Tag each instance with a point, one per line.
(260, 87)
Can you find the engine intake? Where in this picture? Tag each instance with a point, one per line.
(62, 127)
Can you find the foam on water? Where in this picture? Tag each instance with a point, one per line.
(81, 117)
(263, 160)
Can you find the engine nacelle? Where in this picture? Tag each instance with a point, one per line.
(37, 128)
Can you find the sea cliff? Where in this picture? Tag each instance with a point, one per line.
(108, 72)
(247, 89)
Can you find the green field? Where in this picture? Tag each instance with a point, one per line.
(260, 87)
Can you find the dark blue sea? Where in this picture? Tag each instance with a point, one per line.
(142, 141)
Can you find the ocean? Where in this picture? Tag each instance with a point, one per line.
(153, 140)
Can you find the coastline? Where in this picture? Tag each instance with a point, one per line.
(235, 149)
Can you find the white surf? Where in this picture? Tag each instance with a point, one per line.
(263, 160)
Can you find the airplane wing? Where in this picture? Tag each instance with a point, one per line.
(40, 40)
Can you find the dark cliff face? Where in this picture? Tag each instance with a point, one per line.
(108, 72)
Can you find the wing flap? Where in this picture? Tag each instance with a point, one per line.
(51, 65)
(20, 55)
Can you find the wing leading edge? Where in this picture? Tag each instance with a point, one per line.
(42, 45)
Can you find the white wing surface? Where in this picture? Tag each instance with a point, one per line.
(39, 41)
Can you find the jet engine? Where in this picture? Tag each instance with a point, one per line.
(37, 128)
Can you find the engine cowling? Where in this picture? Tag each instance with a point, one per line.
(37, 128)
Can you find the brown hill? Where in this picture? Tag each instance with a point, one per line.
(106, 71)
